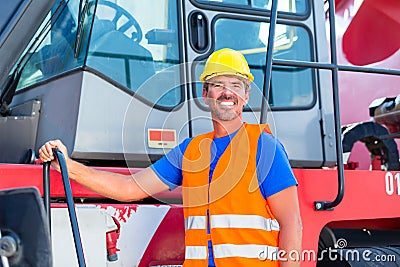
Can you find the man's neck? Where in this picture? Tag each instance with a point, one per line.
(223, 128)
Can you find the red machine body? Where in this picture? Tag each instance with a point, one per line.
(151, 232)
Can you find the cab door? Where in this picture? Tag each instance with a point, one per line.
(295, 113)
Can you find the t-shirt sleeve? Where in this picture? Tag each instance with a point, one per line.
(273, 169)
(169, 167)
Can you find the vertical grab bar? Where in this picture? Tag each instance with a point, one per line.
(71, 207)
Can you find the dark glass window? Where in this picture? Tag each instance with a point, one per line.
(138, 50)
(291, 87)
(55, 50)
(121, 41)
(288, 6)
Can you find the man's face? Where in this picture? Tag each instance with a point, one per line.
(226, 97)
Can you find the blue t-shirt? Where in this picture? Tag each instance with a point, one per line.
(273, 170)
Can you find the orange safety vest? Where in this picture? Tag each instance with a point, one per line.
(243, 230)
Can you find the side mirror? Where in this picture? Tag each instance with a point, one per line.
(25, 233)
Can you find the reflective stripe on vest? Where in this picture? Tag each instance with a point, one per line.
(233, 221)
(261, 252)
(196, 252)
(195, 222)
(244, 221)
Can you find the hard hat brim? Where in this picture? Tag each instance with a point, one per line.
(204, 78)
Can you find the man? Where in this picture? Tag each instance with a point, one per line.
(239, 193)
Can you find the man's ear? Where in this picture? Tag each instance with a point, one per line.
(246, 97)
(205, 95)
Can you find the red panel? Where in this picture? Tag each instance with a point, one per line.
(365, 199)
(20, 175)
(167, 245)
(162, 135)
(368, 198)
(374, 33)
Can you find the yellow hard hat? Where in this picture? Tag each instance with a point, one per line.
(226, 61)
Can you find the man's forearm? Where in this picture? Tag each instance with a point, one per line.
(290, 244)
(112, 185)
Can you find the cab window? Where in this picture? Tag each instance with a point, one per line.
(138, 51)
(291, 87)
(298, 7)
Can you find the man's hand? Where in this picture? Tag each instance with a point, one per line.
(46, 153)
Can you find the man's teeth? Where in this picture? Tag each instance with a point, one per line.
(227, 103)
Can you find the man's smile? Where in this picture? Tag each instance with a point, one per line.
(227, 101)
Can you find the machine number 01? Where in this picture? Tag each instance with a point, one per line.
(391, 186)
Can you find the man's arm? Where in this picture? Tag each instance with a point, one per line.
(113, 185)
(285, 207)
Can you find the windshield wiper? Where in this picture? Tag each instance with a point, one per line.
(81, 20)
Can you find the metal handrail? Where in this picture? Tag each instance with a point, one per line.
(71, 207)
(268, 61)
(329, 205)
(318, 205)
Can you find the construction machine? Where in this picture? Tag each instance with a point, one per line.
(118, 82)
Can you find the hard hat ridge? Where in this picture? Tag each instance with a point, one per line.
(226, 61)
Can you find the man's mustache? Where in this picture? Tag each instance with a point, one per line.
(225, 97)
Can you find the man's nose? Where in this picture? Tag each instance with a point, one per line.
(227, 89)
